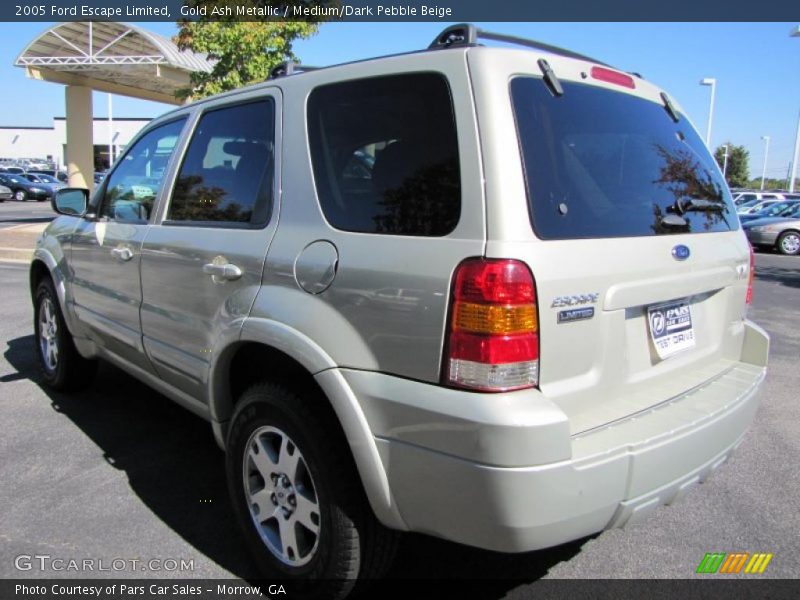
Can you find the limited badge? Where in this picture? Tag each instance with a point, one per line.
(575, 314)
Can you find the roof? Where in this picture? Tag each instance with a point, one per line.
(114, 57)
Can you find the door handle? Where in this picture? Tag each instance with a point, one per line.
(227, 271)
(122, 253)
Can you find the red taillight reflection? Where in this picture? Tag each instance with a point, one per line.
(748, 299)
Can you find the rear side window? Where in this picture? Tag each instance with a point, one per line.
(600, 163)
(226, 176)
(385, 155)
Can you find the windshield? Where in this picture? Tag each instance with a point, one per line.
(600, 163)
(46, 178)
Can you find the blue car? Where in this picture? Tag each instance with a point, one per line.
(779, 209)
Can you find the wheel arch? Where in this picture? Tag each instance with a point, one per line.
(270, 350)
(44, 265)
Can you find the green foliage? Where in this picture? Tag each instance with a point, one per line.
(244, 51)
(772, 184)
(737, 173)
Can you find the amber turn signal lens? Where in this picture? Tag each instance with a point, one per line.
(494, 319)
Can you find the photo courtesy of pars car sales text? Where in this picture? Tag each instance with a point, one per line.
(133, 589)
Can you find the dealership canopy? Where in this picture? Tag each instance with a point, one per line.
(118, 58)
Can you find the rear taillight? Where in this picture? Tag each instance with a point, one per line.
(493, 339)
(748, 299)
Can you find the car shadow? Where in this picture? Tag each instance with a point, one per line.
(782, 275)
(176, 469)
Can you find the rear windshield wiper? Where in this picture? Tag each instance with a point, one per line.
(684, 205)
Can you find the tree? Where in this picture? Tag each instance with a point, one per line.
(737, 173)
(243, 52)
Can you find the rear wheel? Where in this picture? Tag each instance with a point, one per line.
(297, 496)
(20, 196)
(789, 243)
(62, 367)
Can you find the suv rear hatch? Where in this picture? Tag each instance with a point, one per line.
(640, 266)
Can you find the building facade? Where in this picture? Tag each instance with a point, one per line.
(49, 143)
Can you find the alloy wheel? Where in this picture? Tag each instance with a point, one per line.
(790, 244)
(48, 334)
(281, 496)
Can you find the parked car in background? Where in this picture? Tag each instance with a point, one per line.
(44, 179)
(24, 189)
(61, 176)
(13, 170)
(757, 207)
(99, 176)
(5, 193)
(774, 210)
(781, 233)
(750, 198)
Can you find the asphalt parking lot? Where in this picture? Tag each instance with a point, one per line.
(120, 471)
(13, 213)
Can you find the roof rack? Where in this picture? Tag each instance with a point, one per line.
(466, 34)
(289, 68)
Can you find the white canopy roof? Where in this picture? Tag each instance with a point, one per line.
(112, 57)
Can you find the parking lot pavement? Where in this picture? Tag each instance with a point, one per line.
(13, 213)
(18, 241)
(120, 471)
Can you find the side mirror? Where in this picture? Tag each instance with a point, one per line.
(71, 201)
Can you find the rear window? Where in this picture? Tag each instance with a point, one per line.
(600, 163)
(385, 155)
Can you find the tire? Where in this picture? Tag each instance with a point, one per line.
(789, 243)
(20, 196)
(275, 431)
(60, 364)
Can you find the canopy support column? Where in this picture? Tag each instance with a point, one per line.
(80, 152)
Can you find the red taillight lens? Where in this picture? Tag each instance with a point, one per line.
(615, 77)
(494, 282)
(493, 341)
(748, 299)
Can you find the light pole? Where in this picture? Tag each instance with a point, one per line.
(766, 154)
(110, 134)
(795, 33)
(713, 83)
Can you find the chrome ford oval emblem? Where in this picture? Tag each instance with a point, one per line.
(680, 252)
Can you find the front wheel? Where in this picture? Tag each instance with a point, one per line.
(789, 243)
(297, 496)
(62, 367)
(20, 196)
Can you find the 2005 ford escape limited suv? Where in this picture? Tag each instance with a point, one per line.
(495, 295)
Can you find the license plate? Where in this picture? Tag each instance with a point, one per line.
(671, 327)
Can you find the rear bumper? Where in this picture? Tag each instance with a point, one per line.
(502, 472)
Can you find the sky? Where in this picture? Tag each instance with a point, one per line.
(756, 65)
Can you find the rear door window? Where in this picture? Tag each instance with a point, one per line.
(227, 174)
(600, 163)
(385, 155)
